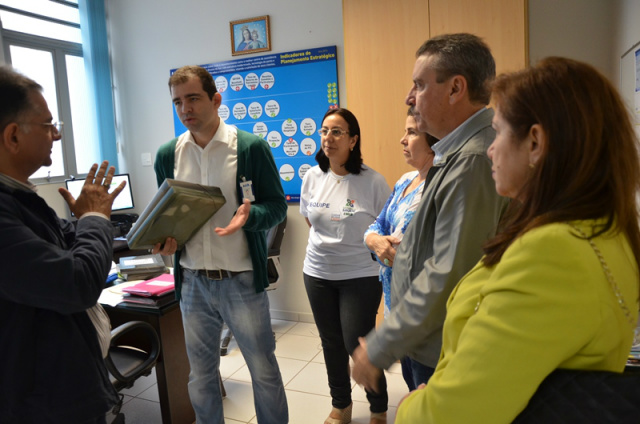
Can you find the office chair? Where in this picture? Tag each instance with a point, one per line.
(127, 363)
(274, 270)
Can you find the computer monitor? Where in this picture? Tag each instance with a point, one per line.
(124, 200)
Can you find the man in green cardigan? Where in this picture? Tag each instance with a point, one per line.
(221, 273)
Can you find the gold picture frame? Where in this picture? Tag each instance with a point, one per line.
(250, 35)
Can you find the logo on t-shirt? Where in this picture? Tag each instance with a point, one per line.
(349, 208)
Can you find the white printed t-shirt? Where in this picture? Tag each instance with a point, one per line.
(340, 210)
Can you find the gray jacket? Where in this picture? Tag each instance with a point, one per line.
(459, 210)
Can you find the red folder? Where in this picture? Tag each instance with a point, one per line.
(153, 287)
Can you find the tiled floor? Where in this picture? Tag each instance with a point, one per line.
(302, 366)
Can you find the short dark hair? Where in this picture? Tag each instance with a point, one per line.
(353, 165)
(14, 95)
(465, 55)
(182, 75)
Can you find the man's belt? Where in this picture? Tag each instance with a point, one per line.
(217, 274)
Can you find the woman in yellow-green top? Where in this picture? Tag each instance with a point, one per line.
(565, 152)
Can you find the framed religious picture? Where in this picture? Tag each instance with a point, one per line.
(250, 35)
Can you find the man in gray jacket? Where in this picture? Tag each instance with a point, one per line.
(459, 210)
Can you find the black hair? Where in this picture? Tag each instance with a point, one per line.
(14, 95)
(353, 165)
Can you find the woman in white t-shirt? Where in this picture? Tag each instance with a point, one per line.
(339, 199)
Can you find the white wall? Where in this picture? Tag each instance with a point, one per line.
(627, 35)
(578, 29)
(150, 37)
(627, 32)
(598, 32)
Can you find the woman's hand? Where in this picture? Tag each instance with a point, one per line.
(420, 387)
(383, 247)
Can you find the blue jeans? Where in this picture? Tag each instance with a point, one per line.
(421, 373)
(206, 305)
(343, 311)
(407, 373)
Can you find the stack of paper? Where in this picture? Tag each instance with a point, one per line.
(152, 293)
(141, 267)
(178, 210)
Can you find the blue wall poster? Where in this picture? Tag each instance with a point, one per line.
(281, 98)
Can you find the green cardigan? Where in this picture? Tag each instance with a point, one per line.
(256, 164)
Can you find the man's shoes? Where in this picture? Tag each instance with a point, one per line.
(340, 416)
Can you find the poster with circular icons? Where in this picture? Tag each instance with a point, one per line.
(251, 81)
(224, 112)
(282, 99)
(255, 110)
(260, 129)
(308, 146)
(274, 138)
(221, 84)
(239, 111)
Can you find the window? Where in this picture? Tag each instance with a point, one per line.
(42, 39)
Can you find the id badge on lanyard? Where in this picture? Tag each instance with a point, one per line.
(247, 190)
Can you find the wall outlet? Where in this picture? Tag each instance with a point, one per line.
(145, 158)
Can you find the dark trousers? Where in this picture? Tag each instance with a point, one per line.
(407, 373)
(100, 420)
(345, 310)
(421, 373)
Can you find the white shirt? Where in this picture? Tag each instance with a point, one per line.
(340, 209)
(215, 165)
(450, 139)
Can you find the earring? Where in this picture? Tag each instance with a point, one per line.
(531, 165)
(351, 149)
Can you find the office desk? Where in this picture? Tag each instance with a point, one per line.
(172, 369)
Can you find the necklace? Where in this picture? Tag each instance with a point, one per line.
(338, 178)
(607, 273)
